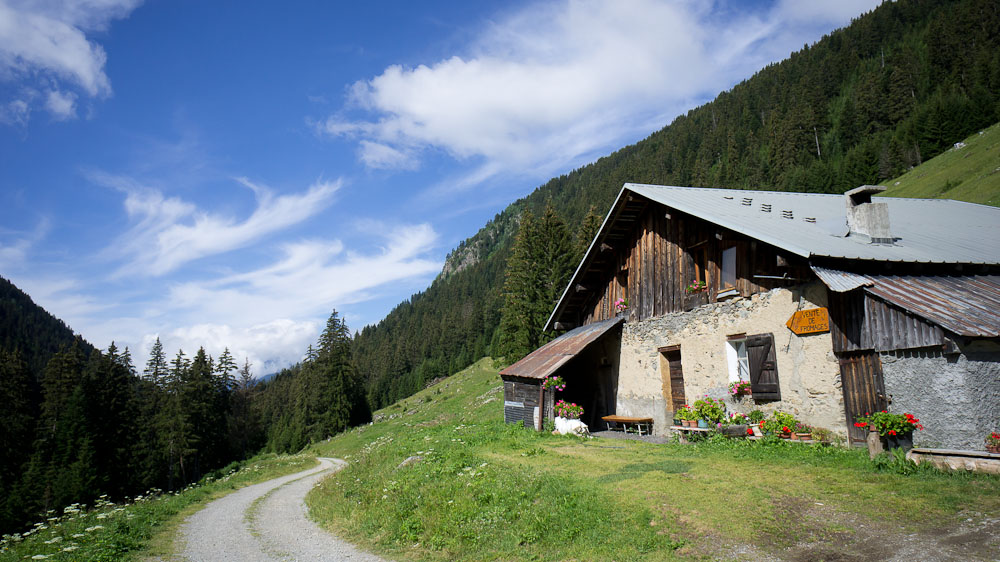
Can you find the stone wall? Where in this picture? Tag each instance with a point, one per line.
(808, 372)
(955, 397)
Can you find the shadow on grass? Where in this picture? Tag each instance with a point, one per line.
(635, 470)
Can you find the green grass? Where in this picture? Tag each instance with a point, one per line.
(141, 528)
(486, 490)
(968, 174)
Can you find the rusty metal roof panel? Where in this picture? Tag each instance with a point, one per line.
(547, 359)
(967, 305)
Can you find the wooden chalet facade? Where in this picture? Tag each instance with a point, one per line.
(711, 277)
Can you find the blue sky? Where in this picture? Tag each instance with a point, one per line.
(226, 173)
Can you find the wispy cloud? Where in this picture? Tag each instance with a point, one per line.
(313, 274)
(272, 313)
(15, 245)
(555, 82)
(44, 44)
(169, 232)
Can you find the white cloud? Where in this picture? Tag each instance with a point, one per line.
(312, 275)
(268, 346)
(554, 83)
(270, 314)
(14, 252)
(377, 155)
(62, 105)
(42, 42)
(170, 232)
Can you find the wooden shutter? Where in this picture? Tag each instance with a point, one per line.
(763, 367)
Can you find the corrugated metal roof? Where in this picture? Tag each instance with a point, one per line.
(547, 359)
(812, 224)
(967, 305)
(840, 281)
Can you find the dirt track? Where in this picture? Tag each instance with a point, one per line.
(276, 528)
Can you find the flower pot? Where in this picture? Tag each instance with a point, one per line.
(694, 300)
(803, 436)
(678, 422)
(690, 423)
(737, 430)
(703, 424)
(899, 441)
(785, 435)
(995, 449)
(794, 436)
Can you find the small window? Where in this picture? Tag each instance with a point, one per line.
(736, 357)
(729, 268)
(700, 256)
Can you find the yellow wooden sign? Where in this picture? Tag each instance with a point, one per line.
(812, 321)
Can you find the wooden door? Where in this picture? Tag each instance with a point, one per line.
(864, 389)
(672, 376)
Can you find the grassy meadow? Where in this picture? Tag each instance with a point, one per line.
(971, 173)
(484, 490)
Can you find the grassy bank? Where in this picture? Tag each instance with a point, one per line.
(144, 527)
(478, 489)
(970, 173)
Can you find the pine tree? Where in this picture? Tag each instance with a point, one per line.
(156, 366)
(537, 272)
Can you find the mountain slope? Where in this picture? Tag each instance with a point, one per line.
(30, 330)
(968, 172)
(861, 106)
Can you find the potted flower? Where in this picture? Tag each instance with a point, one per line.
(896, 430)
(781, 424)
(687, 416)
(712, 411)
(621, 305)
(803, 432)
(568, 410)
(737, 425)
(993, 443)
(554, 382)
(697, 295)
(756, 419)
(695, 287)
(738, 418)
(740, 388)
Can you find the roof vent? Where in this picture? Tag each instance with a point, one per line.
(787, 215)
(868, 219)
(747, 201)
(765, 208)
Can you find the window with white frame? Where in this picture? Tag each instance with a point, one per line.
(736, 357)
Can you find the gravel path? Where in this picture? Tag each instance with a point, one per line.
(277, 529)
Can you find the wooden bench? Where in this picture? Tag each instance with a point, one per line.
(625, 422)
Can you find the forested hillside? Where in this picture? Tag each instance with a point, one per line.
(864, 104)
(29, 330)
(78, 423)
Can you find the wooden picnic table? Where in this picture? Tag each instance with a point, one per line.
(625, 421)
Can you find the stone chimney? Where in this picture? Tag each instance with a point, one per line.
(867, 219)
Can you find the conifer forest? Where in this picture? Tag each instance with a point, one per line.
(862, 105)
